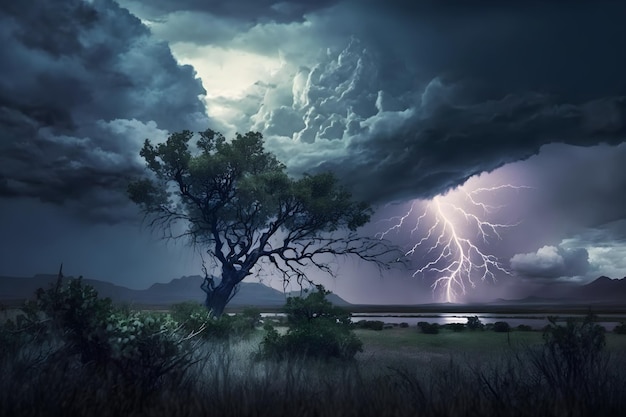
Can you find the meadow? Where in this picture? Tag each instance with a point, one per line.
(67, 368)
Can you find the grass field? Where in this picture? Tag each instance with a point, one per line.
(401, 372)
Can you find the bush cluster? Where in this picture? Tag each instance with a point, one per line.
(572, 357)
(194, 317)
(316, 329)
(68, 322)
(474, 323)
(456, 327)
(501, 327)
(428, 328)
(369, 324)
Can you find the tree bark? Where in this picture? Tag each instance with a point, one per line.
(218, 296)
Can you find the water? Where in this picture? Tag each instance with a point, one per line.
(535, 321)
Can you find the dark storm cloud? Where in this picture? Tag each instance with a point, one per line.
(386, 143)
(573, 49)
(427, 94)
(81, 85)
(244, 10)
(551, 262)
(580, 203)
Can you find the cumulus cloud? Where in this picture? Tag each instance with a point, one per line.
(551, 262)
(81, 86)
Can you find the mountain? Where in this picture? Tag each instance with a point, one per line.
(187, 288)
(602, 290)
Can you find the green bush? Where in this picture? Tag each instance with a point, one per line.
(404, 325)
(75, 323)
(456, 327)
(428, 328)
(369, 324)
(74, 312)
(524, 328)
(572, 358)
(194, 317)
(316, 329)
(145, 346)
(501, 327)
(474, 323)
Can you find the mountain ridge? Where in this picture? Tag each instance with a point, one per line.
(185, 288)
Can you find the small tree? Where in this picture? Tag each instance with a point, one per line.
(237, 201)
(474, 323)
(501, 327)
(572, 360)
(317, 328)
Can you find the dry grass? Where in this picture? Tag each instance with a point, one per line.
(400, 373)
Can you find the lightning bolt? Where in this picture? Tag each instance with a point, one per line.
(454, 257)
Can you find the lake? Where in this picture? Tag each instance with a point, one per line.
(536, 321)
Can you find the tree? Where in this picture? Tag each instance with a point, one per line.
(238, 202)
(317, 328)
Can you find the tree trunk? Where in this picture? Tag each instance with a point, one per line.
(218, 296)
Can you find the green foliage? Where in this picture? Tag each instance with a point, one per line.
(73, 322)
(240, 186)
(524, 328)
(456, 327)
(146, 346)
(237, 198)
(501, 327)
(73, 312)
(369, 324)
(194, 317)
(474, 323)
(428, 328)
(572, 357)
(577, 342)
(316, 329)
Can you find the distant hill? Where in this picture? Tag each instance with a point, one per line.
(186, 288)
(602, 290)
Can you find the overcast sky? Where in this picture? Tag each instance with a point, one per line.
(403, 100)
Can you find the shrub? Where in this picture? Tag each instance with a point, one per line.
(524, 328)
(572, 359)
(76, 324)
(194, 317)
(428, 328)
(474, 323)
(369, 324)
(74, 312)
(145, 346)
(316, 329)
(501, 327)
(404, 325)
(456, 327)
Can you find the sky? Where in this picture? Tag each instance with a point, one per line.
(407, 102)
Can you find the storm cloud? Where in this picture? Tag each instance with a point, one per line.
(402, 100)
(551, 262)
(343, 116)
(409, 99)
(81, 85)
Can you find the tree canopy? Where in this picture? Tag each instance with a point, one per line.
(238, 202)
